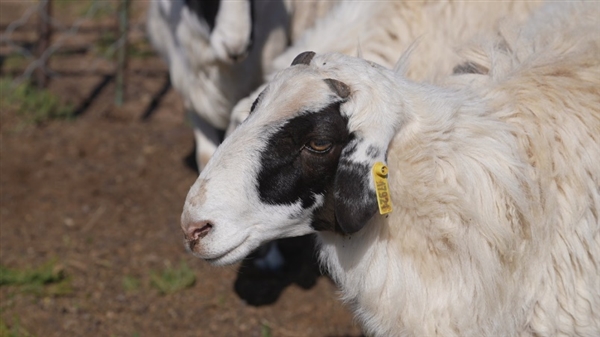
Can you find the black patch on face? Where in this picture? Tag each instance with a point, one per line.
(324, 217)
(206, 9)
(291, 173)
(355, 201)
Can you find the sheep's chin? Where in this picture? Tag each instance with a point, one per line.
(226, 259)
(231, 255)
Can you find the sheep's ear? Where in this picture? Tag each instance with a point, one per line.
(340, 88)
(304, 58)
(355, 201)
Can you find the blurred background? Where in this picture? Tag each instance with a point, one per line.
(95, 155)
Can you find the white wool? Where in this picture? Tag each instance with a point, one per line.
(386, 29)
(497, 192)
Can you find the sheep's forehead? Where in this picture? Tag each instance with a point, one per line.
(296, 90)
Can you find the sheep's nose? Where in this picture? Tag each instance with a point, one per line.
(195, 231)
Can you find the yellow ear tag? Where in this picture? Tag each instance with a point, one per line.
(382, 189)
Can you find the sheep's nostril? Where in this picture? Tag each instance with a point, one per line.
(200, 231)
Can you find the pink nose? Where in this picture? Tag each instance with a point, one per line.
(195, 231)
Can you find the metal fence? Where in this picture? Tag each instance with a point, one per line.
(51, 35)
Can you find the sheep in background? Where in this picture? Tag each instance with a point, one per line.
(494, 182)
(217, 52)
(380, 31)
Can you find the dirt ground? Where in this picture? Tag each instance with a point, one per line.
(101, 195)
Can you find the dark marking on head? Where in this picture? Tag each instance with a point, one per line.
(206, 9)
(304, 58)
(256, 101)
(324, 217)
(290, 173)
(469, 68)
(373, 152)
(340, 88)
(253, 107)
(355, 201)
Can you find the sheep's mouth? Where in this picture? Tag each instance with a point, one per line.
(232, 255)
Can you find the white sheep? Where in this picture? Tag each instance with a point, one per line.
(494, 184)
(217, 52)
(380, 31)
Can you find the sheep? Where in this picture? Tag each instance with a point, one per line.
(217, 52)
(493, 178)
(380, 31)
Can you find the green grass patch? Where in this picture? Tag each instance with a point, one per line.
(46, 280)
(35, 106)
(13, 330)
(171, 279)
(265, 330)
(131, 283)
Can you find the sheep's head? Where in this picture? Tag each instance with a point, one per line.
(300, 163)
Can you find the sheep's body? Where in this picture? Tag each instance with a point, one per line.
(207, 64)
(496, 230)
(380, 31)
(494, 182)
(487, 238)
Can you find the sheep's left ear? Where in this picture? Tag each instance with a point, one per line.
(355, 201)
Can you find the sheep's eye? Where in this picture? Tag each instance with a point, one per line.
(318, 146)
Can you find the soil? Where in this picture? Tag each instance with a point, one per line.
(101, 194)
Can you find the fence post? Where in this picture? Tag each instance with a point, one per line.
(44, 32)
(122, 51)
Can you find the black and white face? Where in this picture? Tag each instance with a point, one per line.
(292, 168)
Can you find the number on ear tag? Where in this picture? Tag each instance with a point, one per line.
(382, 188)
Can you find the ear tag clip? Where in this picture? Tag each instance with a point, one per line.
(382, 188)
